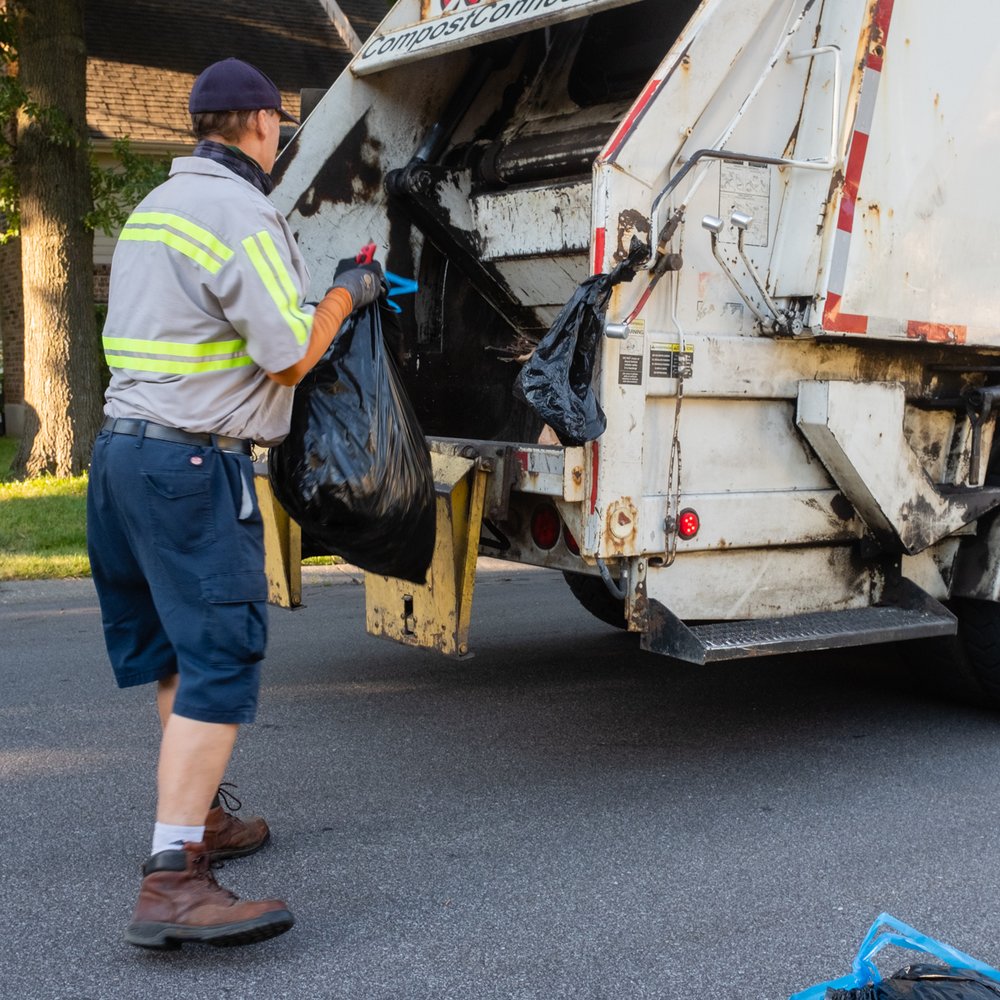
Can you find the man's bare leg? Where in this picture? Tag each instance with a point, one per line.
(166, 689)
(193, 759)
(180, 900)
(225, 835)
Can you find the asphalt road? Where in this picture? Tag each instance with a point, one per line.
(561, 816)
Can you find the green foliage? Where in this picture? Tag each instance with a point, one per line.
(12, 97)
(117, 190)
(10, 214)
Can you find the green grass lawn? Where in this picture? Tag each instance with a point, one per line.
(43, 525)
(43, 534)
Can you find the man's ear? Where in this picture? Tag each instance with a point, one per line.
(260, 123)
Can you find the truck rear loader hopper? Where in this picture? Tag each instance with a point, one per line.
(799, 382)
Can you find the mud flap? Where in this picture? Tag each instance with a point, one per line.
(437, 614)
(282, 545)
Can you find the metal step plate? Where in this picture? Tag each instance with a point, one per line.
(923, 618)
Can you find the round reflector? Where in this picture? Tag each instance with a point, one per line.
(688, 523)
(545, 526)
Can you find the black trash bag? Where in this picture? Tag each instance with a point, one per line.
(925, 982)
(555, 380)
(355, 471)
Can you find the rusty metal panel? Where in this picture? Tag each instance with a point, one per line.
(549, 471)
(437, 615)
(857, 431)
(756, 519)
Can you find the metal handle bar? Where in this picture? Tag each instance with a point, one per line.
(717, 153)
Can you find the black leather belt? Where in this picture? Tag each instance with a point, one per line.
(146, 428)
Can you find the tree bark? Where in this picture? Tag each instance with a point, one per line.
(11, 325)
(11, 306)
(63, 379)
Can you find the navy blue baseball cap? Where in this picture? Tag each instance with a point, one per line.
(235, 85)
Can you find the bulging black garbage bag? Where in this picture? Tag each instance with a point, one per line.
(925, 981)
(954, 976)
(556, 380)
(355, 471)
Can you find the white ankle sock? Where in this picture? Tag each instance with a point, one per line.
(167, 837)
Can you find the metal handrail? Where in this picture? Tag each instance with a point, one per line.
(717, 152)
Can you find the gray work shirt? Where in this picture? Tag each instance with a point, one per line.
(206, 297)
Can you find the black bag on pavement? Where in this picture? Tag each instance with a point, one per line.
(556, 380)
(925, 982)
(355, 471)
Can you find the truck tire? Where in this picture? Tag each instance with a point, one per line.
(596, 598)
(965, 667)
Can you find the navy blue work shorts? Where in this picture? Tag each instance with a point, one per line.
(176, 547)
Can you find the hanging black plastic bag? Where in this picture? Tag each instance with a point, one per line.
(354, 471)
(556, 380)
(961, 977)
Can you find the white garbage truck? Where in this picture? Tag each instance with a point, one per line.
(799, 382)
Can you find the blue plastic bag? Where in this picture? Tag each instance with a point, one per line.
(887, 930)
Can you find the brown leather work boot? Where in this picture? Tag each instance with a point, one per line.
(226, 836)
(180, 901)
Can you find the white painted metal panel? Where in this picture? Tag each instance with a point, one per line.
(550, 283)
(759, 583)
(533, 221)
(923, 257)
(332, 174)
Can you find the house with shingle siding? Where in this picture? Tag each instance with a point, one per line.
(142, 58)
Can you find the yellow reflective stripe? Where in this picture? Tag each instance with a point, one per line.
(175, 242)
(287, 285)
(173, 348)
(278, 283)
(185, 226)
(175, 367)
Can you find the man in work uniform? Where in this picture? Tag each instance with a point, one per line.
(206, 334)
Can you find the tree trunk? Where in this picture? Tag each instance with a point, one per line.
(62, 391)
(11, 307)
(11, 326)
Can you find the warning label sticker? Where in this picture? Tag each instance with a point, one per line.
(631, 354)
(630, 369)
(669, 361)
(746, 187)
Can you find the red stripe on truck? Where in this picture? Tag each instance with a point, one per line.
(630, 119)
(880, 32)
(595, 461)
(852, 179)
(936, 333)
(834, 319)
(599, 237)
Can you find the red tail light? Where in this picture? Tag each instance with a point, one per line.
(688, 523)
(545, 526)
